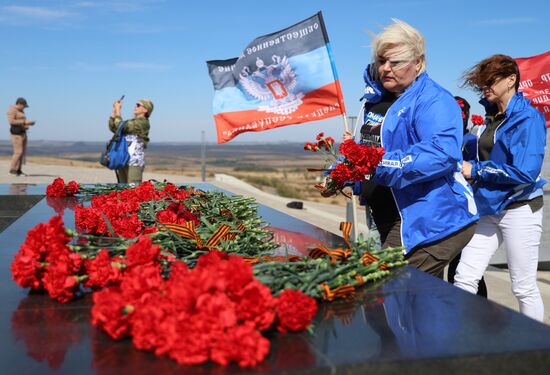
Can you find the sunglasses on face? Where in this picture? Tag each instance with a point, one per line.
(394, 64)
(139, 105)
(492, 81)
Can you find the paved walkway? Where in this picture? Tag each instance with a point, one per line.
(322, 215)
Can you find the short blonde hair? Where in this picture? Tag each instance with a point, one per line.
(405, 40)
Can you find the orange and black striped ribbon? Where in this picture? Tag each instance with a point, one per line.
(218, 235)
(368, 258)
(188, 230)
(232, 236)
(192, 191)
(322, 251)
(345, 227)
(343, 291)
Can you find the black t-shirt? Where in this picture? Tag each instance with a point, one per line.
(487, 138)
(379, 198)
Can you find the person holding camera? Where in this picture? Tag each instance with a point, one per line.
(18, 134)
(136, 131)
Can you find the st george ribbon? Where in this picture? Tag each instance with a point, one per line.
(284, 78)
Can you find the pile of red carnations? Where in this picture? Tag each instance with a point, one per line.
(59, 189)
(354, 163)
(187, 273)
(45, 262)
(215, 311)
(116, 213)
(171, 296)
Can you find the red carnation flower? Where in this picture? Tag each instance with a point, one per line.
(26, 270)
(101, 271)
(241, 344)
(256, 305)
(141, 252)
(347, 147)
(112, 312)
(477, 120)
(295, 310)
(59, 189)
(341, 173)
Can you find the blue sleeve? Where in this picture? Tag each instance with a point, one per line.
(527, 145)
(438, 128)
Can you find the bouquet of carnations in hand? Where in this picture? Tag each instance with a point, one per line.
(477, 120)
(354, 163)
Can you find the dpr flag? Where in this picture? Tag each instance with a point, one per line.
(284, 78)
(535, 82)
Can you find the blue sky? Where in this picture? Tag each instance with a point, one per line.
(71, 59)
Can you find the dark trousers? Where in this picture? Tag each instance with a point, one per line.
(435, 256)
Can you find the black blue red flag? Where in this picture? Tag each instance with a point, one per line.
(284, 78)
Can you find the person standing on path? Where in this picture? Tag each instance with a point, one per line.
(136, 132)
(507, 183)
(18, 134)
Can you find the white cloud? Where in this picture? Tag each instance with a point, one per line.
(38, 13)
(87, 67)
(121, 66)
(118, 6)
(505, 21)
(141, 66)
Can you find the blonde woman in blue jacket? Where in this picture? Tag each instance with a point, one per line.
(419, 124)
(507, 183)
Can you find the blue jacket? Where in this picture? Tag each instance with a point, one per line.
(513, 171)
(422, 136)
(469, 146)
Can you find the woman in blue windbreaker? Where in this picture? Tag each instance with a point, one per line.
(417, 194)
(507, 183)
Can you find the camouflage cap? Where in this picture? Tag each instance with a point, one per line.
(147, 104)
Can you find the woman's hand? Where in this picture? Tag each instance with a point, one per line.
(347, 136)
(467, 170)
(117, 105)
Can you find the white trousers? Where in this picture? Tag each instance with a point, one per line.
(520, 230)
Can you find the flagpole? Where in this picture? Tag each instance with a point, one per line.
(351, 205)
(345, 117)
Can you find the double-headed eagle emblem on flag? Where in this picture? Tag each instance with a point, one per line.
(273, 84)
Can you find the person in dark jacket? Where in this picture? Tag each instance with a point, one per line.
(507, 183)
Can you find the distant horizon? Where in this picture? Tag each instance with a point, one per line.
(232, 143)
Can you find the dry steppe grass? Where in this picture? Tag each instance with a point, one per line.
(279, 169)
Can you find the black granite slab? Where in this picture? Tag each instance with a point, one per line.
(410, 323)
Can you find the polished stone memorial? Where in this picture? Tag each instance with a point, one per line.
(409, 323)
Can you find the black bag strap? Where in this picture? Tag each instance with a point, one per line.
(117, 135)
(121, 128)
